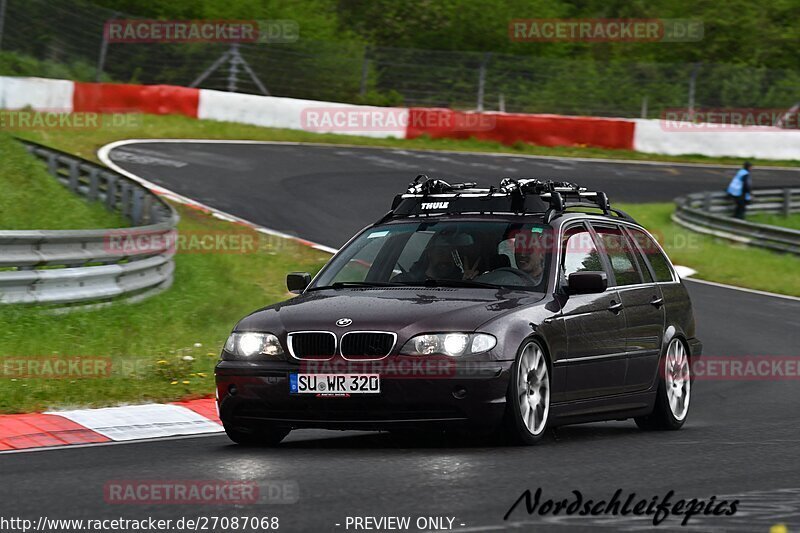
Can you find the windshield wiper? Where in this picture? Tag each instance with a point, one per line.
(466, 283)
(355, 284)
(452, 283)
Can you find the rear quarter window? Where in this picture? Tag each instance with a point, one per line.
(655, 257)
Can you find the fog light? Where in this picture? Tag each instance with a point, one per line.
(232, 390)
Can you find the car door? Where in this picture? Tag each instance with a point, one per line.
(594, 324)
(643, 305)
(658, 275)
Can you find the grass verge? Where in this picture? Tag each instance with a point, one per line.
(32, 199)
(792, 221)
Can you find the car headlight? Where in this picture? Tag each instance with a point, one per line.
(453, 344)
(252, 345)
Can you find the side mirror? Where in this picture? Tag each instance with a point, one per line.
(587, 282)
(296, 282)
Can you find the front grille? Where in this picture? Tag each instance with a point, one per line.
(367, 344)
(313, 344)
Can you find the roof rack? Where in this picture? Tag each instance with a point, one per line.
(428, 196)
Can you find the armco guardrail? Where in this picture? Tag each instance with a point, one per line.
(710, 212)
(71, 266)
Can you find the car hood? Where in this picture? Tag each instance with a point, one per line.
(407, 310)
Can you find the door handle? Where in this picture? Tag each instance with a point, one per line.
(657, 302)
(615, 307)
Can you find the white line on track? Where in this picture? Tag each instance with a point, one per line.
(743, 289)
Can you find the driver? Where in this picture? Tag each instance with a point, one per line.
(529, 254)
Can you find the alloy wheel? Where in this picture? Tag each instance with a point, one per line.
(533, 388)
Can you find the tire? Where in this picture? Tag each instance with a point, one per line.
(269, 436)
(674, 391)
(528, 400)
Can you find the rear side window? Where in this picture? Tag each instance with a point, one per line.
(643, 268)
(580, 253)
(653, 254)
(620, 255)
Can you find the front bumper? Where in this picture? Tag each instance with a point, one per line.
(469, 394)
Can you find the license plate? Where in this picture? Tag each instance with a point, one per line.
(334, 383)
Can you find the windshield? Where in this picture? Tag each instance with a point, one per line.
(451, 253)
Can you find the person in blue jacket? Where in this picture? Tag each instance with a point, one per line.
(739, 189)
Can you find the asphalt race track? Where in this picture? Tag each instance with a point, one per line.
(740, 441)
(327, 193)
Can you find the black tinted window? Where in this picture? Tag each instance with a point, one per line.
(643, 268)
(620, 255)
(653, 254)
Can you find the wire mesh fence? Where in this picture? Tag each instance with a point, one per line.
(66, 37)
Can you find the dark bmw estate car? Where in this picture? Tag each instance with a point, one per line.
(512, 308)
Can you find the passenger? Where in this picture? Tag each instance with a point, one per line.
(435, 263)
(440, 264)
(472, 269)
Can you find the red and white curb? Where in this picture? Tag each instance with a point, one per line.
(642, 135)
(106, 425)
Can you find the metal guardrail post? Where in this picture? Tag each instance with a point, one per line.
(94, 184)
(787, 202)
(125, 198)
(52, 163)
(136, 209)
(74, 174)
(111, 192)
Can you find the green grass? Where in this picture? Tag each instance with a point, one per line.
(792, 221)
(32, 199)
(718, 259)
(85, 142)
(149, 342)
(15, 64)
